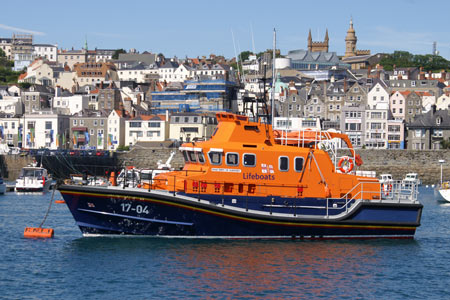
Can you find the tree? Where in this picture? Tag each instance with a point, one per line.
(244, 55)
(117, 52)
(404, 59)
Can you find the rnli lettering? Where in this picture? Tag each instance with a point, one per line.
(255, 176)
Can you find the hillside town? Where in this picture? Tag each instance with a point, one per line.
(105, 99)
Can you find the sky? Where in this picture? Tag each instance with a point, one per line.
(200, 28)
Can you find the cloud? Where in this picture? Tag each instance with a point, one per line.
(21, 30)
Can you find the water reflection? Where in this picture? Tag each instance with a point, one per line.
(296, 269)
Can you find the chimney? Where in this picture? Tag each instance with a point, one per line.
(369, 70)
(400, 77)
(433, 108)
(138, 100)
(167, 115)
(101, 85)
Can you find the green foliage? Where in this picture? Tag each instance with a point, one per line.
(123, 148)
(24, 85)
(445, 144)
(7, 75)
(2, 53)
(404, 59)
(117, 52)
(244, 55)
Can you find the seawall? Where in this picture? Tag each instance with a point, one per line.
(395, 162)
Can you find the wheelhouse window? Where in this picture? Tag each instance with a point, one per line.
(192, 156)
(201, 157)
(283, 163)
(215, 157)
(232, 159)
(249, 160)
(298, 164)
(185, 156)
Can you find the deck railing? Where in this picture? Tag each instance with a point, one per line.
(365, 191)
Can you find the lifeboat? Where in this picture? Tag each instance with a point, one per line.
(249, 181)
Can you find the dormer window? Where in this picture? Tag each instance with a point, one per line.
(438, 120)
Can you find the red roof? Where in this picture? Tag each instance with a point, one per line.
(22, 76)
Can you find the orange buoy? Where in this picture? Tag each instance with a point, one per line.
(33, 232)
(60, 201)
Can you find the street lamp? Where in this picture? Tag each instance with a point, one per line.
(441, 162)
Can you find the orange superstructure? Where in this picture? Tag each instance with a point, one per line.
(249, 158)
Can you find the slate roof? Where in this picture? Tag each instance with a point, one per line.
(428, 120)
(307, 56)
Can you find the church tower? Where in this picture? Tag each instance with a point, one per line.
(350, 41)
(318, 46)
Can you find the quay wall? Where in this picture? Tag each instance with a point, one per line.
(395, 162)
(10, 165)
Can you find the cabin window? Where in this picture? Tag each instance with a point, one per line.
(249, 160)
(298, 164)
(192, 156)
(201, 158)
(283, 163)
(215, 157)
(185, 156)
(232, 159)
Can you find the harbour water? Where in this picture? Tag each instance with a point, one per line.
(70, 266)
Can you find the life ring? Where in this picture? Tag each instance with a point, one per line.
(345, 164)
(387, 188)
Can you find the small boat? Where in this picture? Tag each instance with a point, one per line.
(249, 182)
(385, 178)
(2, 186)
(33, 179)
(411, 178)
(444, 190)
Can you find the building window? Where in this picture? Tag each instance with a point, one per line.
(48, 125)
(74, 122)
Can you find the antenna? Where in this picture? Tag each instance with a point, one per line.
(273, 73)
(253, 40)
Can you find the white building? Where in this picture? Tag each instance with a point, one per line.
(44, 130)
(378, 95)
(47, 51)
(443, 102)
(146, 129)
(376, 127)
(9, 131)
(116, 129)
(11, 105)
(70, 104)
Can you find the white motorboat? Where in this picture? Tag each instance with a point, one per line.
(33, 179)
(385, 178)
(410, 179)
(444, 190)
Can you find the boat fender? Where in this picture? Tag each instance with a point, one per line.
(387, 188)
(112, 178)
(345, 164)
(358, 160)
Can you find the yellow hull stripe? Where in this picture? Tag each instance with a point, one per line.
(226, 215)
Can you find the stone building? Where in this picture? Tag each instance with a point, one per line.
(427, 130)
(318, 46)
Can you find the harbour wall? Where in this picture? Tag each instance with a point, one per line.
(395, 162)
(10, 165)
